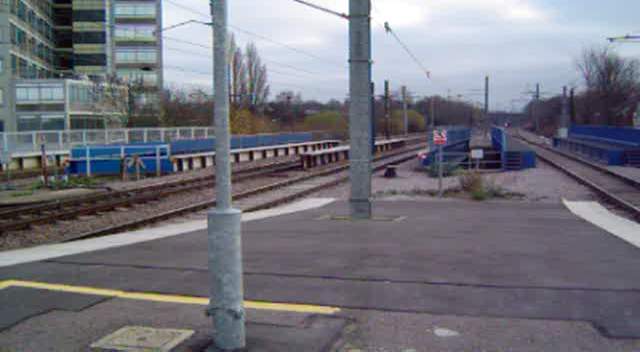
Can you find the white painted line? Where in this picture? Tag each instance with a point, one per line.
(45, 252)
(444, 332)
(598, 215)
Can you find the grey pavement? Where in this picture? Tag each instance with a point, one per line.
(70, 330)
(513, 263)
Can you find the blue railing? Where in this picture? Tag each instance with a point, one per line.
(514, 154)
(605, 144)
(624, 136)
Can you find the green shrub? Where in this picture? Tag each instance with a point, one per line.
(327, 121)
(448, 170)
(21, 194)
(479, 194)
(471, 181)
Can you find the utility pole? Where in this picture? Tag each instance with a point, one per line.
(405, 114)
(432, 108)
(224, 223)
(486, 96)
(572, 106)
(373, 119)
(486, 123)
(563, 131)
(290, 113)
(359, 108)
(387, 110)
(536, 98)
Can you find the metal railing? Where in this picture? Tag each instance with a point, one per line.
(62, 140)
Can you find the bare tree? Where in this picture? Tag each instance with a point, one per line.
(612, 86)
(257, 85)
(238, 80)
(111, 99)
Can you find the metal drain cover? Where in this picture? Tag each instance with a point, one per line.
(142, 339)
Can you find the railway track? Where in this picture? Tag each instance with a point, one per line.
(283, 192)
(23, 217)
(621, 191)
(28, 174)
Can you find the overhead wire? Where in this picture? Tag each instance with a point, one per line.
(293, 67)
(286, 85)
(389, 30)
(259, 36)
(264, 38)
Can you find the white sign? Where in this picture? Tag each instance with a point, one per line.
(440, 137)
(477, 154)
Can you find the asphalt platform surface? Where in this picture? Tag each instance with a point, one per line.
(510, 260)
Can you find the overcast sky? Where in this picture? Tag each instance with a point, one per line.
(516, 42)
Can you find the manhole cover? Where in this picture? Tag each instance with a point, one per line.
(142, 339)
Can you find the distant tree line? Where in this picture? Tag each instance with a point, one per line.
(609, 94)
(289, 112)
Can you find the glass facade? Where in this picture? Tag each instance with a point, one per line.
(39, 93)
(128, 55)
(40, 122)
(50, 41)
(138, 76)
(135, 32)
(135, 10)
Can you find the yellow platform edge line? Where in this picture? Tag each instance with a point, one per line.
(156, 297)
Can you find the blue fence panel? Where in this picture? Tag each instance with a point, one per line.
(458, 139)
(605, 144)
(109, 156)
(508, 147)
(191, 146)
(106, 159)
(626, 135)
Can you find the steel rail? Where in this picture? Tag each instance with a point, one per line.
(12, 219)
(619, 190)
(382, 161)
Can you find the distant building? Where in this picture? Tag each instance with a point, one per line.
(51, 51)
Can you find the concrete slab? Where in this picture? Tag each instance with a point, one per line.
(76, 331)
(405, 332)
(494, 259)
(489, 244)
(18, 304)
(142, 339)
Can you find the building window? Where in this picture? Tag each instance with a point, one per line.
(14, 65)
(1, 96)
(88, 16)
(89, 37)
(136, 55)
(1, 65)
(138, 77)
(39, 93)
(135, 10)
(79, 94)
(28, 123)
(38, 123)
(135, 32)
(52, 122)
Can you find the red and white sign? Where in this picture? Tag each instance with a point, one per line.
(440, 137)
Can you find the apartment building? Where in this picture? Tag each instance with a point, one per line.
(52, 50)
